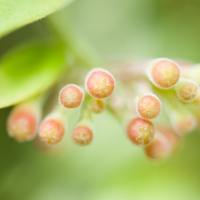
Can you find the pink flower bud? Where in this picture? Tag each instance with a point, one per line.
(140, 131)
(171, 136)
(184, 124)
(97, 106)
(148, 106)
(187, 90)
(182, 120)
(71, 96)
(160, 148)
(163, 73)
(52, 129)
(82, 135)
(23, 121)
(100, 83)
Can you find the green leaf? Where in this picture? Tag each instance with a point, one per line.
(17, 13)
(28, 71)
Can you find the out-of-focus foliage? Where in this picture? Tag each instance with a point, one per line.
(111, 168)
(17, 13)
(29, 70)
(140, 28)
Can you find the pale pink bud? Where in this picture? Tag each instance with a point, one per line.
(163, 73)
(140, 131)
(160, 148)
(82, 135)
(187, 90)
(52, 129)
(183, 122)
(97, 106)
(71, 96)
(148, 106)
(171, 136)
(100, 83)
(23, 121)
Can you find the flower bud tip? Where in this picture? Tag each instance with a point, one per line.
(82, 135)
(140, 131)
(100, 83)
(163, 73)
(71, 96)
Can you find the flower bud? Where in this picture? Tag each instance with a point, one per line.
(148, 106)
(184, 123)
(97, 106)
(160, 148)
(140, 131)
(100, 83)
(82, 135)
(71, 96)
(23, 121)
(182, 120)
(171, 136)
(163, 73)
(187, 90)
(52, 129)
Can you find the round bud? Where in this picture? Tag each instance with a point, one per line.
(100, 83)
(163, 73)
(171, 136)
(160, 148)
(187, 90)
(82, 135)
(97, 106)
(140, 131)
(52, 130)
(71, 96)
(22, 122)
(148, 106)
(185, 124)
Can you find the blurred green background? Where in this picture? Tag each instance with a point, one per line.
(111, 168)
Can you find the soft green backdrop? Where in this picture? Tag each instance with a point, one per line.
(111, 168)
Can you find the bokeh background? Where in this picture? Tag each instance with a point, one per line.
(111, 168)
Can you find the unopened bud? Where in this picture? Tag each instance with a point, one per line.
(140, 131)
(23, 121)
(100, 83)
(148, 106)
(160, 148)
(97, 106)
(71, 96)
(187, 90)
(163, 73)
(82, 135)
(182, 121)
(171, 136)
(52, 129)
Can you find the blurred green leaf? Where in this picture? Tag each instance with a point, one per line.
(17, 13)
(28, 71)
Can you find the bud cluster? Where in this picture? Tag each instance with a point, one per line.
(161, 83)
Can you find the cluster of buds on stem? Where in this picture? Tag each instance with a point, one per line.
(161, 89)
(24, 122)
